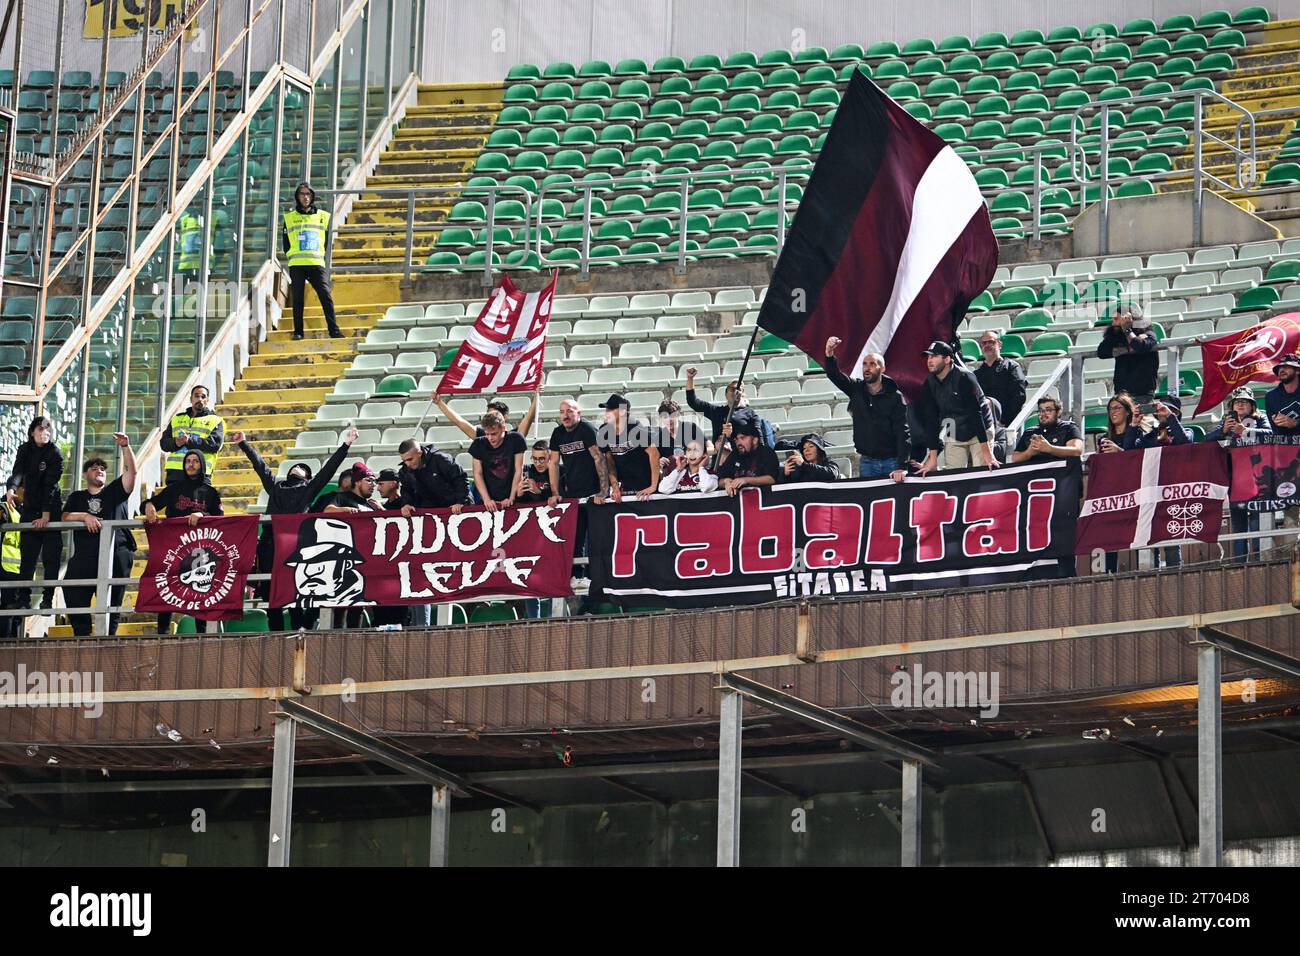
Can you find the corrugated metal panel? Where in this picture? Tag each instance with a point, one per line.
(1081, 669)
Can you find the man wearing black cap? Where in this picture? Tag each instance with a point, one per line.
(752, 463)
(1282, 403)
(953, 402)
(388, 485)
(1130, 341)
(291, 495)
(630, 452)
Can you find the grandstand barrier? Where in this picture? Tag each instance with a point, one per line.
(103, 582)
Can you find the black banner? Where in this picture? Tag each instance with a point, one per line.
(820, 539)
(1266, 474)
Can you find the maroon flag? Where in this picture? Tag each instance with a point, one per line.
(1266, 476)
(198, 570)
(504, 350)
(891, 242)
(1151, 496)
(348, 560)
(1248, 355)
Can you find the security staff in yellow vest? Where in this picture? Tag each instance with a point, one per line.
(197, 428)
(189, 235)
(10, 562)
(305, 235)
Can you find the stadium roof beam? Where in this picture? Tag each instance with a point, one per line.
(287, 718)
(736, 689)
(1270, 660)
(827, 721)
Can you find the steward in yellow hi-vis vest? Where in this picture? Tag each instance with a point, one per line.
(189, 233)
(305, 238)
(11, 562)
(197, 428)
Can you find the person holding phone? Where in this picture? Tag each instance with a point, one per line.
(1242, 424)
(1130, 341)
(1123, 424)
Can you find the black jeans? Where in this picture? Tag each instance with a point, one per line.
(12, 599)
(165, 624)
(45, 547)
(80, 566)
(299, 277)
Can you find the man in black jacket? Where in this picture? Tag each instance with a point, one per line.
(38, 466)
(880, 432)
(1002, 379)
(717, 414)
(1130, 341)
(190, 497)
(954, 413)
(430, 478)
(290, 496)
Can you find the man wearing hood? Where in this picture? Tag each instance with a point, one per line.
(198, 428)
(304, 238)
(880, 431)
(289, 496)
(191, 496)
(809, 462)
(1242, 424)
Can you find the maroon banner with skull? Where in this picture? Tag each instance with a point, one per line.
(199, 570)
(348, 560)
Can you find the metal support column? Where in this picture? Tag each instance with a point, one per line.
(729, 781)
(911, 813)
(1209, 756)
(286, 735)
(1198, 160)
(103, 590)
(440, 828)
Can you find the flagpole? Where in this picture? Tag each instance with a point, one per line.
(735, 395)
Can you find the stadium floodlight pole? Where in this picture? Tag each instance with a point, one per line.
(735, 395)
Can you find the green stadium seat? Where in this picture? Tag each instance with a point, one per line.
(1280, 174)
(1061, 78)
(891, 70)
(519, 93)
(1257, 299)
(1250, 16)
(1039, 57)
(524, 71)
(819, 75)
(1284, 271)
(1154, 48)
(1177, 67)
(987, 131)
(1031, 103)
(981, 303)
(785, 77)
(850, 52)
(954, 44)
(1214, 18)
(706, 61)
(881, 50)
(903, 90)
(1228, 40)
(556, 91)
(983, 84)
(631, 67)
(1032, 320)
(919, 46)
(1002, 61)
(1076, 54)
(518, 116)
(1048, 344)
(1138, 28)
(1016, 297)
(943, 88)
(1013, 345)
(1216, 63)
(1064, 35)
(627, 110)
(812, 54)
(1024, 80)
(930, 66)
(712, 83)
(991, 41)
(595, 68)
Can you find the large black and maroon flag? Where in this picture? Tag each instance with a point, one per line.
(891, 242)
(825, 539)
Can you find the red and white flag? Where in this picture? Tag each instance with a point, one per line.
(1232, 360)
(504, 350)
(1151, 496)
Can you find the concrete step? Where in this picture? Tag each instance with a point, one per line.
(289, 373)
(270, 400)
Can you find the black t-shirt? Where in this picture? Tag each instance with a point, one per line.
(1060, 433)
(543, 480)
(578, 476)
(631, 460)
(109, 505)
(498, 463)
(761, 461)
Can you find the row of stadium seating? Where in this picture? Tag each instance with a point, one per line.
(630, 128)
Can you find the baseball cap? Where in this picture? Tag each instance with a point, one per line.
(616, 401)
(939, 348)
(387, 474)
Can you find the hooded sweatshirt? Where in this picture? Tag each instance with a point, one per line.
(187, 496)
(40, 468)
(310, 208)
(438, 483)
(291, 495)
(880, 427)
(823, 470)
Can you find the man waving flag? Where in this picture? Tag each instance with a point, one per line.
(891, 242)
